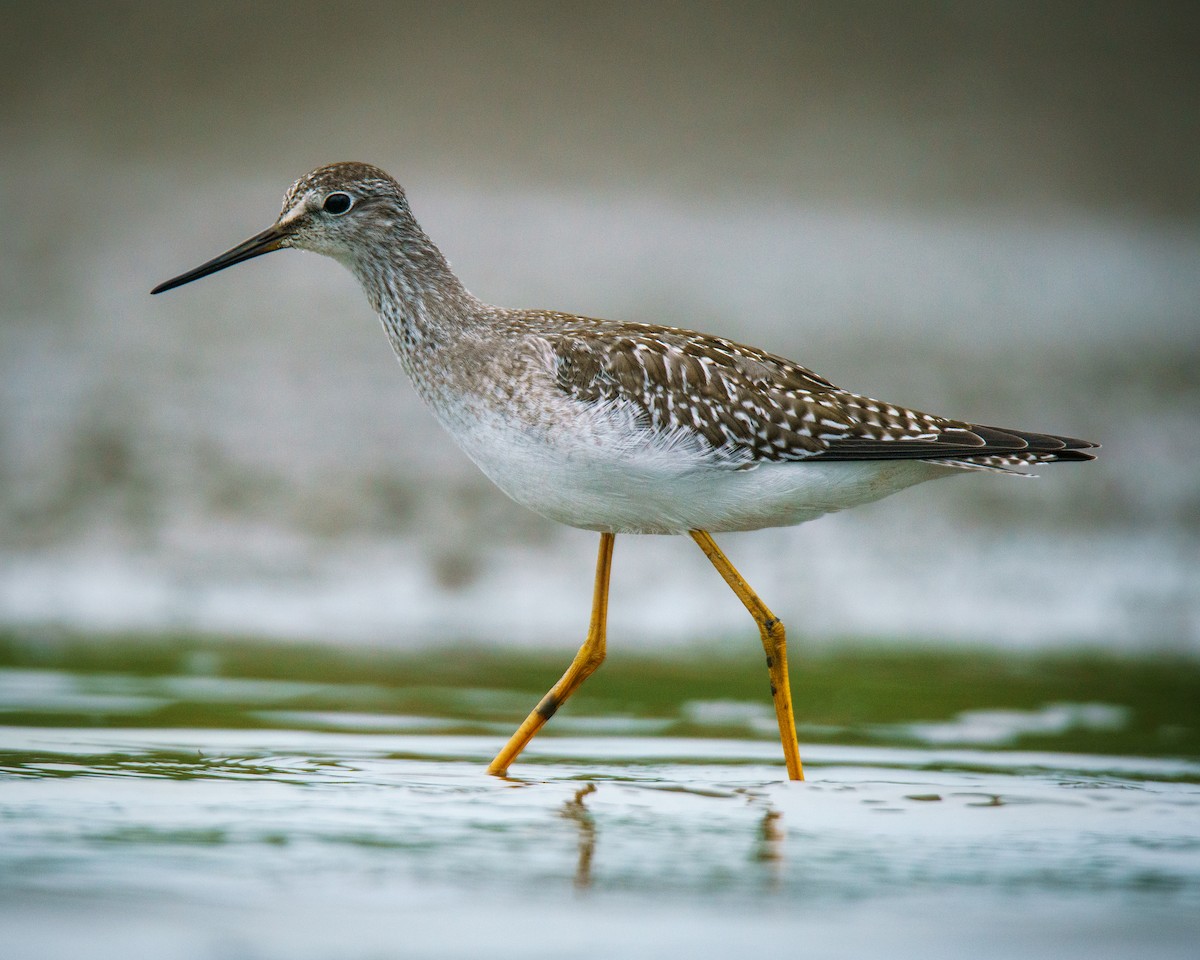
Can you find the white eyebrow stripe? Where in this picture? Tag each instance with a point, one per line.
(290, 216)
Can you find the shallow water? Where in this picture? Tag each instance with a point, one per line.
(293, 843)
(326, 832)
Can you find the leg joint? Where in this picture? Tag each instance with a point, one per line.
(772, 630)
(592, 661)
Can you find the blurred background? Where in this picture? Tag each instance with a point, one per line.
(986, 211)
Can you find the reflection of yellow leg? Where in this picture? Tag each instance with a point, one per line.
(773, 642)
(589, 657)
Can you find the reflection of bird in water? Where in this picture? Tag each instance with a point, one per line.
(575, 810)
(625, 427)
(770, 838)
(769, 850)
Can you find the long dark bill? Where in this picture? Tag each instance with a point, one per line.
(270, 239)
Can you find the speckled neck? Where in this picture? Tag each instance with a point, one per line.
(423, 306)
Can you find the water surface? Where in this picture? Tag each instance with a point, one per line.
(186, 814)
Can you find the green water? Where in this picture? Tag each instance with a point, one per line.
(184, 797)
(1084, 704)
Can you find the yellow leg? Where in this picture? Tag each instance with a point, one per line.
(589, 657)
(773, 642)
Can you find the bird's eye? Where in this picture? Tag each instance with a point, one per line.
(337, 203)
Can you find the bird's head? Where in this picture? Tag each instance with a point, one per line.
(339, 210)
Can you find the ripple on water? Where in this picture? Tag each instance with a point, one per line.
(230, 830)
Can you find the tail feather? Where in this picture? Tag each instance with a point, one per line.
(967, 445)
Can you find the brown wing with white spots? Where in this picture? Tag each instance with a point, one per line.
(749, 406)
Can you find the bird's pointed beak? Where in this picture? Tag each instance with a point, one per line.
(270, 239)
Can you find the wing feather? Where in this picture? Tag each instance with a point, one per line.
(747, 405)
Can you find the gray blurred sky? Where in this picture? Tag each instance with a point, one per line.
(1096, 104)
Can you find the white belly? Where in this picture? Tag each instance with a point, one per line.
(607, 474)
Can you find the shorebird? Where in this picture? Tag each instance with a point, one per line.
(625, 427)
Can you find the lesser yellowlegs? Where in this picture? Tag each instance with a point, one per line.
(625, 427)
